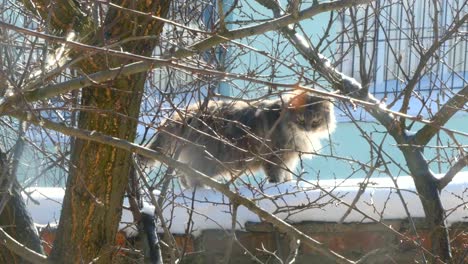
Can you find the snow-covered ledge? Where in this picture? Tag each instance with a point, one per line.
(379, 201)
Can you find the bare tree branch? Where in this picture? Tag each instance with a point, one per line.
(425, 58)
(461, 163)
(425, 134)
(54, 90)
(81, 46)
(274, 24)
(167, 21)
(20, 250)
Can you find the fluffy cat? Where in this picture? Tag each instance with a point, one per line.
(228, 137)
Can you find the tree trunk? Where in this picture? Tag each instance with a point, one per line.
(427, 187)
(98, 176)
(99, 173)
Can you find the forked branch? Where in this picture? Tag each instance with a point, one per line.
(452, 106)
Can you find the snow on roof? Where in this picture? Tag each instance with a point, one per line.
(306, 203)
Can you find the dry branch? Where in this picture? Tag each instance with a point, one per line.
(450, 108)
(461, 163)
(21, 250)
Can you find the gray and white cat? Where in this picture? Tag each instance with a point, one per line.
(228, 137)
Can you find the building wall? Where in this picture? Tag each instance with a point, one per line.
(347, 142)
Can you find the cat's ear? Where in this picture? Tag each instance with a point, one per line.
(298, 100)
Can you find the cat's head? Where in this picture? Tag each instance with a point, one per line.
(312, 113)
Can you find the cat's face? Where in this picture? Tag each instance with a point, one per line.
(312, 113)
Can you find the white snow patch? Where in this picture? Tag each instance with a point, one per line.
(147, 209)
(212, 210)
(44, 204)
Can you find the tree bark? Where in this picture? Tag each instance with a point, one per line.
(99, 173)
(98, 176)
(428, 191)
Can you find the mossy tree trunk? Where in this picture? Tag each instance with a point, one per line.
(99, 175)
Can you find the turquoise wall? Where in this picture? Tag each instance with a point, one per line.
(289, 66)
(348, 142)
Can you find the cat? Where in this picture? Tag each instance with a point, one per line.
(225, 138)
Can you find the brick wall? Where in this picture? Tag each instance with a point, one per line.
(352, 240)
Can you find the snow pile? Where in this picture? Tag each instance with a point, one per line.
(322, 200)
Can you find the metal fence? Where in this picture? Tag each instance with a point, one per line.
(396, 35)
